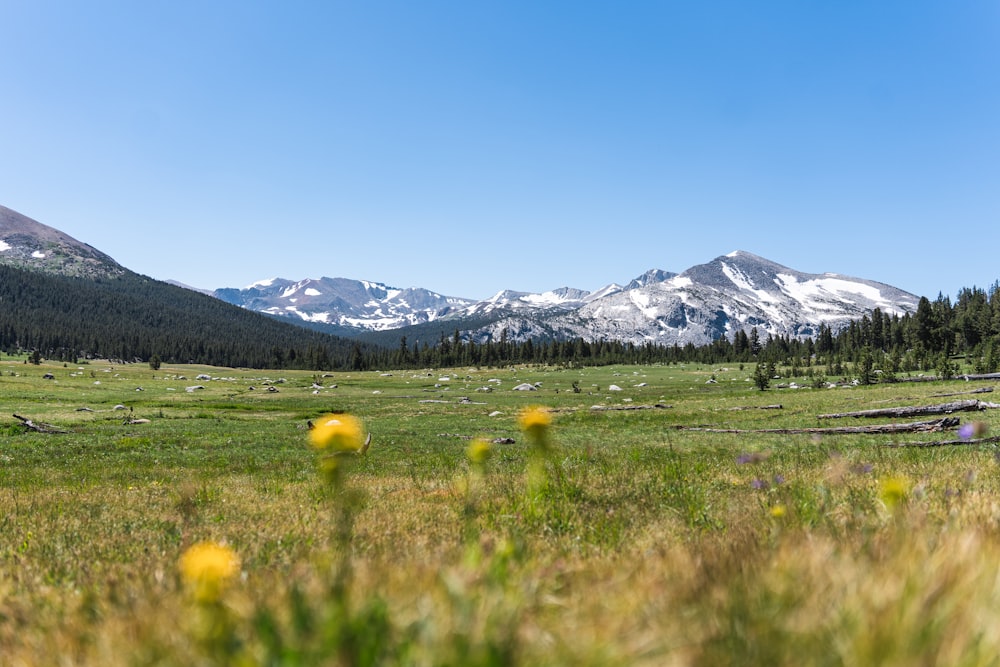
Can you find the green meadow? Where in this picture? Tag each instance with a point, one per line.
(658, 523)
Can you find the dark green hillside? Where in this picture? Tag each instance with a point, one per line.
(133, 317)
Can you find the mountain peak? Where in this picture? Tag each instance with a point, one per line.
(650, 277)
(28, 244)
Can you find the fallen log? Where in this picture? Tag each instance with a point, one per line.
(911, 427)
(462, 436)
(945, 443)
(966, 377)
(39, 427)
(912, 411)
(776, 406)
(981, 390)
(601, 408)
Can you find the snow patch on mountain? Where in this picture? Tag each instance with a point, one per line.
(361, 304)
(734, 292)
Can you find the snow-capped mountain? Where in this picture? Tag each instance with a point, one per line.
(738, 291)
(561, 299)
(342, 302)
(734, 292)
(28, 244)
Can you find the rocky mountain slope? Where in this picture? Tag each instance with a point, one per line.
(342, 302)
(28, 244)
(736, 291)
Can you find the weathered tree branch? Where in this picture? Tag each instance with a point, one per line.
(945, 443)
(912, 411)
(981, 390)
(601, 408)
(912, 427)
(39, 427)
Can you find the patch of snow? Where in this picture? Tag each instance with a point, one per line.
(261, 283)
(313, 292)
(4, 246)
(740, 279)
(821, 294)
(38, 254)
(640, 300)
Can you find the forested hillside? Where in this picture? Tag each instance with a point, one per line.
(133, 317)
(926, 341)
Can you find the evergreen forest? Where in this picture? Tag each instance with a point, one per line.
(135, 318)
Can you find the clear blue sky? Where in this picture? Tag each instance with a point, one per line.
(467, 147)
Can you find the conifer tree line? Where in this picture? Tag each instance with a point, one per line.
(927, 341)
(134, 318)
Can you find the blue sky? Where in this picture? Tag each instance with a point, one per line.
(467, 147)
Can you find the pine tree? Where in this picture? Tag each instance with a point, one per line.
(762, 375)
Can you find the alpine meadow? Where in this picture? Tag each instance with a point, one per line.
(184, 481)
(658, 514)
(499, 334)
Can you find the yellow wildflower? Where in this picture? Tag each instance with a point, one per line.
(207, 568)
(534, 419)
(479, 451)
(893, 490)
(778, 511)
(339, 433)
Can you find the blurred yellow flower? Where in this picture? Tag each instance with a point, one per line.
(479, 451)
(534, 419)
(339, 433)
(893, 490)
(778, 511)
(207, 568)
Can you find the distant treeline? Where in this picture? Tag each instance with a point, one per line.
(135, 318)
(927, 340)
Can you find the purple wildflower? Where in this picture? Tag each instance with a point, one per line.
(966, 431)
(779, 480)
(759, 484)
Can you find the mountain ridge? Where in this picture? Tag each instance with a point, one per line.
(29, 244)
(732, 292)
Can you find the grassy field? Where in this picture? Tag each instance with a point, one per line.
(613, 536)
